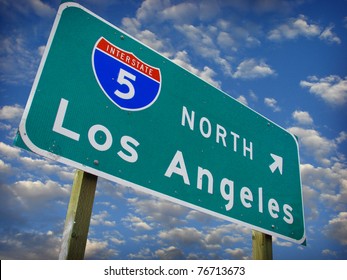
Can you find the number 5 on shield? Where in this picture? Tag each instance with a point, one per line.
(125, 78)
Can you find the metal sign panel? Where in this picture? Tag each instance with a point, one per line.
(105, 103)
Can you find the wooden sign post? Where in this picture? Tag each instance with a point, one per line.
(78, 216)
(261, 246)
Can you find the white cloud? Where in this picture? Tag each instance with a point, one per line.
(260, 6)
(199, 216)
(301, 26)
(237, 253)
(19, 56)
(328, 252)
(252, 69)
(233, 36)
(143, 254)
(208, 9)
(187, 236)
(207, 74)
(35, 165)
(46, 166)
(317, 177)
(33, 194)
(41, 50)
(136, 223)
(242, 99)
(315, 144)
(294, 28)
(4, 126)
(210, 239)
(96, 249)
(160, 211)
(117, 241)
(180, 13)
(131, 25)
(4, 168)
(9, 151)
(332, 89)
(221, 236)
(183, 12)
(225, 40)
(147, 37)
(32, 245)
(101, 219)
(310, 196)
(337, 228)
(18, 65)
(150, 39)
(28, 7)
(326, 188)
(11, 112)
(253, 96)
(329, 36)
(302, 117)
(149, 9)
(342, 137)
(170, 253)
(39, 8)
(337, 198)
(272, 103)
(202, 42)
(327, 183)
(282, 243)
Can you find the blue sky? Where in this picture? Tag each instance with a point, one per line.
(284, 59)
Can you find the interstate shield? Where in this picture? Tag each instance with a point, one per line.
(127, 81)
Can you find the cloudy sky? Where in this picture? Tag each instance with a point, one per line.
(284, 59)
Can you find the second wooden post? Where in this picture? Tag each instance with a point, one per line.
(261, 246)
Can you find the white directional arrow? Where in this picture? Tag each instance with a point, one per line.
(278, 163)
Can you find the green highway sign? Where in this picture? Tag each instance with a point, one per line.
(105, 103)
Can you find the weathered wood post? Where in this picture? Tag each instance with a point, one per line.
(261, 246)
(78, 216)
